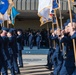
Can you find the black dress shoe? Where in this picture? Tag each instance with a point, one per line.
(20, 66)
(17, 72)
(52, 73)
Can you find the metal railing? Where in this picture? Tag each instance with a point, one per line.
(33, 5)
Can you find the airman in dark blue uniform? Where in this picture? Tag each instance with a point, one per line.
(38, 39)
(11, 47)
(2, 57)
(64, 41)
(30, 40)
(20, 47)
(57, 54)
(74, 37)
(50, 53)
(15, 51)
(70, 59)
(54, 60)
(63, 58)
(69, 52)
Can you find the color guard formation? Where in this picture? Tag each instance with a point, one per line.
(61, 55)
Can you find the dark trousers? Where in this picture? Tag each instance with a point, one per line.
(16, 68)
(3, 69)
(31, 45)
(38, 44)
(11, 65)
(20, 57)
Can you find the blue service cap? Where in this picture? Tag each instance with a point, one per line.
(66, 24)
(10, 31)
(55, 28)
(4, 28)
(68, 20)
(73, 20)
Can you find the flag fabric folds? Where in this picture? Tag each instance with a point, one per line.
(3, 6)
(43, 20)
(14, 13)
(6, 17)
(8, 11)
(46, 10)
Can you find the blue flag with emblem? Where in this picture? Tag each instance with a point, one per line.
(3, 6)
(14, 13)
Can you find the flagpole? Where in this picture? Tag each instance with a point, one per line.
(7, 25)
(3, 23)
(60, 15)
(61, 25)
(52, 26)
(7, 22)
(57, 24)
(69, 6)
